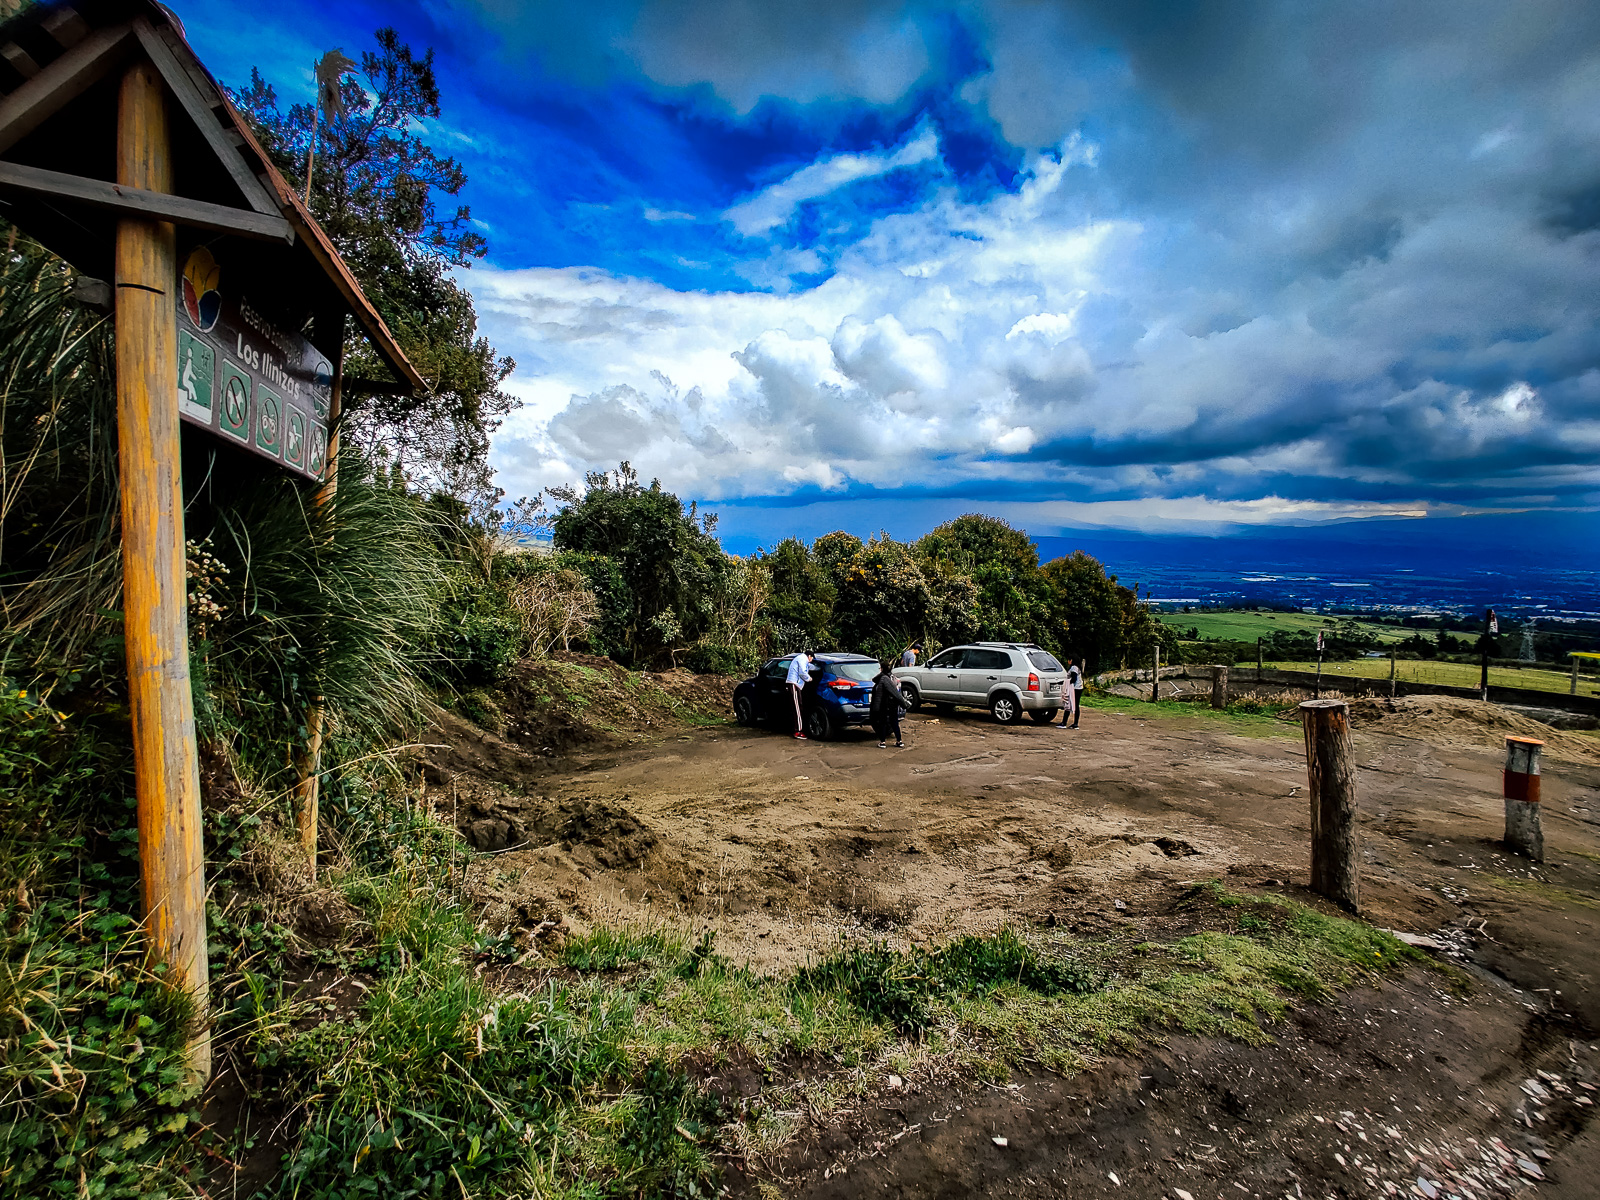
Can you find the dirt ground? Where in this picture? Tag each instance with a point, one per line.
(783, 846)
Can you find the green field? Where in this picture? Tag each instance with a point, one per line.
(1248, 626)
(1447, 673)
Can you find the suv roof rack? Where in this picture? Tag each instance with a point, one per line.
(1009, 645)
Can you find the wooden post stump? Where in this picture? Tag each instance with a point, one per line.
(1524, 833)
(154, 588)
(1155, 678)
(1331, 774)
(1219, 687)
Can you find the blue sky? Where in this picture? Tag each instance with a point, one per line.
(1105, 263)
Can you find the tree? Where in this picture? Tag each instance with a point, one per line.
(801, 602)
(1088, 611)
(375, 191)
(1003, 563)
(666, 552)
(833, 550)
(884, 598)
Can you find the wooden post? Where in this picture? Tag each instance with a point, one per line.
(1520, 787)
(155, 598)
(1155, 677)
(1219, 687)
(1331, 774)
(1258, 660)
(1316, 689)
(1573, 690)
(1391, 674)
(308, 767)
(1483, 645)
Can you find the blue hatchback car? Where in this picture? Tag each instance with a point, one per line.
(836, 698)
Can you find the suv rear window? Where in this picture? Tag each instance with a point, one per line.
(1044, 660)
(860, 672)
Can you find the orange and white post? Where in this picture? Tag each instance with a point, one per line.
(1521, 790)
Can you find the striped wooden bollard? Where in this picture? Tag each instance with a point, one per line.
(1521, 790)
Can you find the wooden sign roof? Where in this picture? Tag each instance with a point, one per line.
(60, 64)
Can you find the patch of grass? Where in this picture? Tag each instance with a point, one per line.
(1539, 889)
(1449, 674)
(604, 949)
(1248, 625)
(1248, 721)
(901, 989)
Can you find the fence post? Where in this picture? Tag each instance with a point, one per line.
(1391, 674)
(155, 597)
(1219, 687)
(1155, 677)
(1258, 660)
(1573, 690)
(1331, 774)
(1520, 787)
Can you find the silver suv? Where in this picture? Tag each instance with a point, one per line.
(1007, 678)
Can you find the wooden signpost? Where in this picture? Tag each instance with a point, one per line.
(217, 266)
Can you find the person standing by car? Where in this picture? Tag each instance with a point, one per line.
(1074, 697)
(887, 703)
(799, 675)
(909, 658)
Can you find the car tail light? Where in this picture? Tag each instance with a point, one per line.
(844, 685)
(1033, 682)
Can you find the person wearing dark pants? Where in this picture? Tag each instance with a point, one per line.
(885, 707)
(799, 676)
(1074, 687)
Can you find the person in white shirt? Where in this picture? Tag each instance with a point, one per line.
(1074, 693)
(799, 675)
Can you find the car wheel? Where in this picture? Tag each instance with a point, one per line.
(819, 724)
(744, 710)
(913, 697)
(1005, 708)
(1043, 716)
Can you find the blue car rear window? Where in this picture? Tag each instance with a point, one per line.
(864, 672)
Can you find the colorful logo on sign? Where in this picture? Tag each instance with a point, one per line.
(201, 279)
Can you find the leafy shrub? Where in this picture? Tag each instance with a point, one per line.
(94, 1087)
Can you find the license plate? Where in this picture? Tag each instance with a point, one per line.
(1055, 689)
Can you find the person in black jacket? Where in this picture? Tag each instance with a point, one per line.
(888, 701)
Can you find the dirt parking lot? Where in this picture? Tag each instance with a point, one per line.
(784, 846)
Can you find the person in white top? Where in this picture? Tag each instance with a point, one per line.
(799, 675)
(1074, 696)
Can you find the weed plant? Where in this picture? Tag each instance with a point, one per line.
(95, 1099)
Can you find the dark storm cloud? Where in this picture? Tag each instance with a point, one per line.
(1357, 251)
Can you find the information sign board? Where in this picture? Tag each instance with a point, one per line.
(264, 388)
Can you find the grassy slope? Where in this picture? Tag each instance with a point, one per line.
(1244, 719)
(1449, 674)
(1248, 626)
